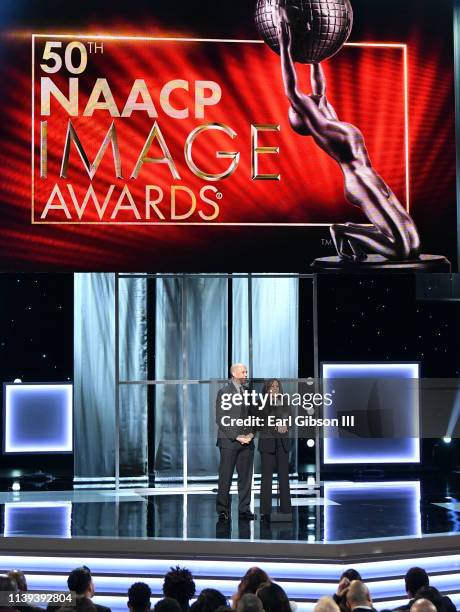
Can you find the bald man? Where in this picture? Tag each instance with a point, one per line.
(236, 445)
(423, 605)
(358, 596)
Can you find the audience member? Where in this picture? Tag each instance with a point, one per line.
(441, 602)
(415, 579)
(139, 595)
(179, 585)
(326, 604)
(250, 603)
(423, 605)
(249, 583)
(167, 604)
(208, 601)
(273, 598)
(417, 584)
(358, 596)
(20, 579)
(7, 584)
(344, 582)
(81, 582)
(255, 593)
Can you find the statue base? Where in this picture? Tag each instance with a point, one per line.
(377, 264)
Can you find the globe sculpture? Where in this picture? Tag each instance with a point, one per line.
(319, 27)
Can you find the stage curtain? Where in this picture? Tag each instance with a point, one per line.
(274, 326)
(275, 334)
(133, 367)
(94, 376)
(190, 345)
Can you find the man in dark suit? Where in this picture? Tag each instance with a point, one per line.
(236, 446)
(417, 584)
(358, 597)
(81, 582)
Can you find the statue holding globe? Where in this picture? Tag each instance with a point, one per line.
(309, 31)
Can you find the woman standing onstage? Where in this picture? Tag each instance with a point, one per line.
(274, 446)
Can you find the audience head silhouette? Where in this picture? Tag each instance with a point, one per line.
(273, 598)
(326, 604)
(358, 595)
(167, 604)
(351, 574)
(415, 579)
(208, 601)
(7, 583)
(19, 577)
(249, 583)
(81, 582)
(250, 603)
(179, 585)
(423, 605)
(139, 595)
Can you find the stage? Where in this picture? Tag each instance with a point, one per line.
(381, 528)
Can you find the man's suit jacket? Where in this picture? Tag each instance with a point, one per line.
(227, 434)
(269, 435)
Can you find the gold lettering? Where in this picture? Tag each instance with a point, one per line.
(174, 189)
(43, 149)
(130, 206)
(91, 169)
(153, 203)
(101, 88)
(155, 134)
(212, 203)
(220, 154)
(61, 206)
(256, 151)
(48, 89)
(201, 100)
(165, 93)
(90, 194)
(139, 88)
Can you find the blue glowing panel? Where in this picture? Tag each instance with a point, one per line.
(381, 396)
(38, 418)
(38, 519)
(369, 500)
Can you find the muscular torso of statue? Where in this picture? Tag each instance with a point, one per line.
(392, 232)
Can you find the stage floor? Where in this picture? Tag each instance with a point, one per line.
(339, 511)
(380, 528)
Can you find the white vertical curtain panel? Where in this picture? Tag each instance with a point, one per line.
(191, 344)
(94, 376)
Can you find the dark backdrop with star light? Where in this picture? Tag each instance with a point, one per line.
(36, 345)
(360, 318)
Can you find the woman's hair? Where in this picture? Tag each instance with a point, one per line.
(273, 598)
(250, 582)
(268, 383)
(351, 574)
(208, 601)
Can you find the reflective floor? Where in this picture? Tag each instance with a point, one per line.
(338, 511)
